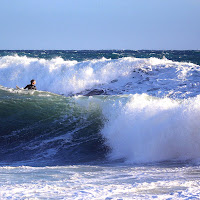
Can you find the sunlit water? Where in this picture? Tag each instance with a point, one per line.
(102, 125)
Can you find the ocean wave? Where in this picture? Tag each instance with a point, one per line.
(158, 77)
(48, 130)
(54, 129)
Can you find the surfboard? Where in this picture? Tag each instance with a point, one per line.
(18, 87)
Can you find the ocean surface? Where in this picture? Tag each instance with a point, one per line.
(103, 124)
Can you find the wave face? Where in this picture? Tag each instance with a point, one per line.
(128, 75)
(41, 128)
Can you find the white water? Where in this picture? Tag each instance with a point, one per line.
(145, 129)
(121, 76)
(99, 182)
(148, 129)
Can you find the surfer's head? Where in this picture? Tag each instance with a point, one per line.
(33, 82)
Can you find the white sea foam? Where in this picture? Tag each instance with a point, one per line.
(118, 76)
(151, 129)
(142, 128)
(99, 182)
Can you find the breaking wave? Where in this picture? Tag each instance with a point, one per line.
(157, 77)
(45, 129)
(149, 129)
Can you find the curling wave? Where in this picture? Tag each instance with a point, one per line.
(40, 128)
(46, 129)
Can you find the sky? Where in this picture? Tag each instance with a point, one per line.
(100, 24)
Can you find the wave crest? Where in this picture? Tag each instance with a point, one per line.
(118, 76)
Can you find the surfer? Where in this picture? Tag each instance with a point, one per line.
(32, 85)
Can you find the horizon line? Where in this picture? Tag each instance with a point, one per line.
(99, 49)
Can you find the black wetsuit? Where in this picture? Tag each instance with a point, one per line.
(31, 87)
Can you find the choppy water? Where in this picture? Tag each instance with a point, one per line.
(102, 125)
